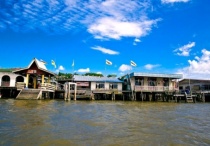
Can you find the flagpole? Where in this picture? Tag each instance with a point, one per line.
(73, 66)
(105, 77)
(132, 63)
(73, 69)
(107, 63)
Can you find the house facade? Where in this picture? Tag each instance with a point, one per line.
(94, 83)
(9, 79)
(36, 74)
(151, 82)
(195, 85)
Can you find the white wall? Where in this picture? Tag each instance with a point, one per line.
(92, 85)
(12, 77)
(159, 80)
(119, 86)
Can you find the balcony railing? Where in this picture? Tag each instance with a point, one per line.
(20, 85)
(154, 88)
(48, 86)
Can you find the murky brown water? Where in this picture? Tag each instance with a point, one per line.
(104, 123)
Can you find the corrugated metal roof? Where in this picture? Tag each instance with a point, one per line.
(193, 81)
(172, 76)
(95, 79)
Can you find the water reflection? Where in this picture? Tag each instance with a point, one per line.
(54, 122)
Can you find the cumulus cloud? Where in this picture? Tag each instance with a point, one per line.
(151, 66)
(105, 51)
(122, 18)
(184, 50)
(199, 67)
(60, 68)
(125, 67)
(84, 70)
(174, 1)
(109, 27)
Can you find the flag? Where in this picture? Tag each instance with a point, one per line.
(108, 62)
(133, 63)
(73, 63)
(53, 63)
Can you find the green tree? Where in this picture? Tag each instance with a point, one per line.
(112, 76)
(93, 74)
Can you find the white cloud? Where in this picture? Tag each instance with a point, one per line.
(99, 72)
(109, 27)
(137, 40)
(122, 18)
(199, 67)
(71, 3)
(184, 50)
(84, 70)
(174, 1)
(105, 51)
(125, 67)
(104, 19)
(151, 66)
(61, 67)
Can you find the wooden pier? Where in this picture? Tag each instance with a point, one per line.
(49, 91)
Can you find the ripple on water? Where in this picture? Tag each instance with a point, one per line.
(55, 122)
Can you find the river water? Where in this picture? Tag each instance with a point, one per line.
(104, 123)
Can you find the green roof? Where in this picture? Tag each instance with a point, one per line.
(7, 69)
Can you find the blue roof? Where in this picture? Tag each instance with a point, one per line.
(172, 76)
(96, 79)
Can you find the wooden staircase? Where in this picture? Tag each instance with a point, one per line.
(29, 94)
(189, 97)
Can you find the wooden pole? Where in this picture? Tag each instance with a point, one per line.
(27, 79)
(65, 90)
(75, 92)
(42, 79)
(34, 80)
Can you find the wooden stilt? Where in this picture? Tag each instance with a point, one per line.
(150, 97)
(93, 96)
(142, 96)
(75, 93)
(203, 97)
(113, 96)
(135, 96)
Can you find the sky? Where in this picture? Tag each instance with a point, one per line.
(160, 36)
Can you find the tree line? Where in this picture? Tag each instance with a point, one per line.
(70, 75)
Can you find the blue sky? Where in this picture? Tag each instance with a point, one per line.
(160, 36)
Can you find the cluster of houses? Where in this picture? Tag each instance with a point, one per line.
(133, 86)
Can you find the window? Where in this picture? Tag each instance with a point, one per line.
(113, 86)
(165, 82)
(99, 85)
(152, 81)
(139, 81)
(19, 79)
(5, 81)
